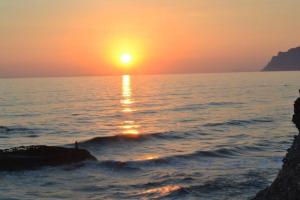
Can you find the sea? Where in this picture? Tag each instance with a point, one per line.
(189, 136)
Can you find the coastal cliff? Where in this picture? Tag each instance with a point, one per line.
(286, 186)
(285, 61)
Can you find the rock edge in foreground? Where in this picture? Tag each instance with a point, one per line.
(286, 186)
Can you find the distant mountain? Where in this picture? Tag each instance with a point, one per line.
(285, 61)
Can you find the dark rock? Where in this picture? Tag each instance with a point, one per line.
(285, 61)
(32, 157)
(286, 186)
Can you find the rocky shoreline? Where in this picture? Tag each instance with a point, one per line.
(34, 157)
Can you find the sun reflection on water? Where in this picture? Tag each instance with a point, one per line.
(148, 157)
(126, 87)
(162, 191)
(129, 127)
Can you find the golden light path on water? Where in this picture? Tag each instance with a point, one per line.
(162, 191)
(129, 126)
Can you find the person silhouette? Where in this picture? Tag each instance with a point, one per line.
(76, 145)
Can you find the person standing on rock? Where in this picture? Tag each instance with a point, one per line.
(76, 145)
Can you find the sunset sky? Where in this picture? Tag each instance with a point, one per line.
(88, 37)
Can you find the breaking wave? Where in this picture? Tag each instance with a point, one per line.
(133, 137)
(14, 129)
(173, 159)
(240, 122)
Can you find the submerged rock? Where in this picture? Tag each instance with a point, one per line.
(286, 186)
(32, 157)
(285, 61)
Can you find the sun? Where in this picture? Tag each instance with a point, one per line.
(126, 58)
(126, 54)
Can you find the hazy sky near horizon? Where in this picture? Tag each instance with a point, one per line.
(82, 37)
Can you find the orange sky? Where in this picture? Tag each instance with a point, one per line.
(83, 37)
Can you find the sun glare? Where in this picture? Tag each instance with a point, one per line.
(125, 58)
(125, 54)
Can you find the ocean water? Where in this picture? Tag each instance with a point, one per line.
(200, 136)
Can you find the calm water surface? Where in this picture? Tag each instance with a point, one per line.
(202, 136)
